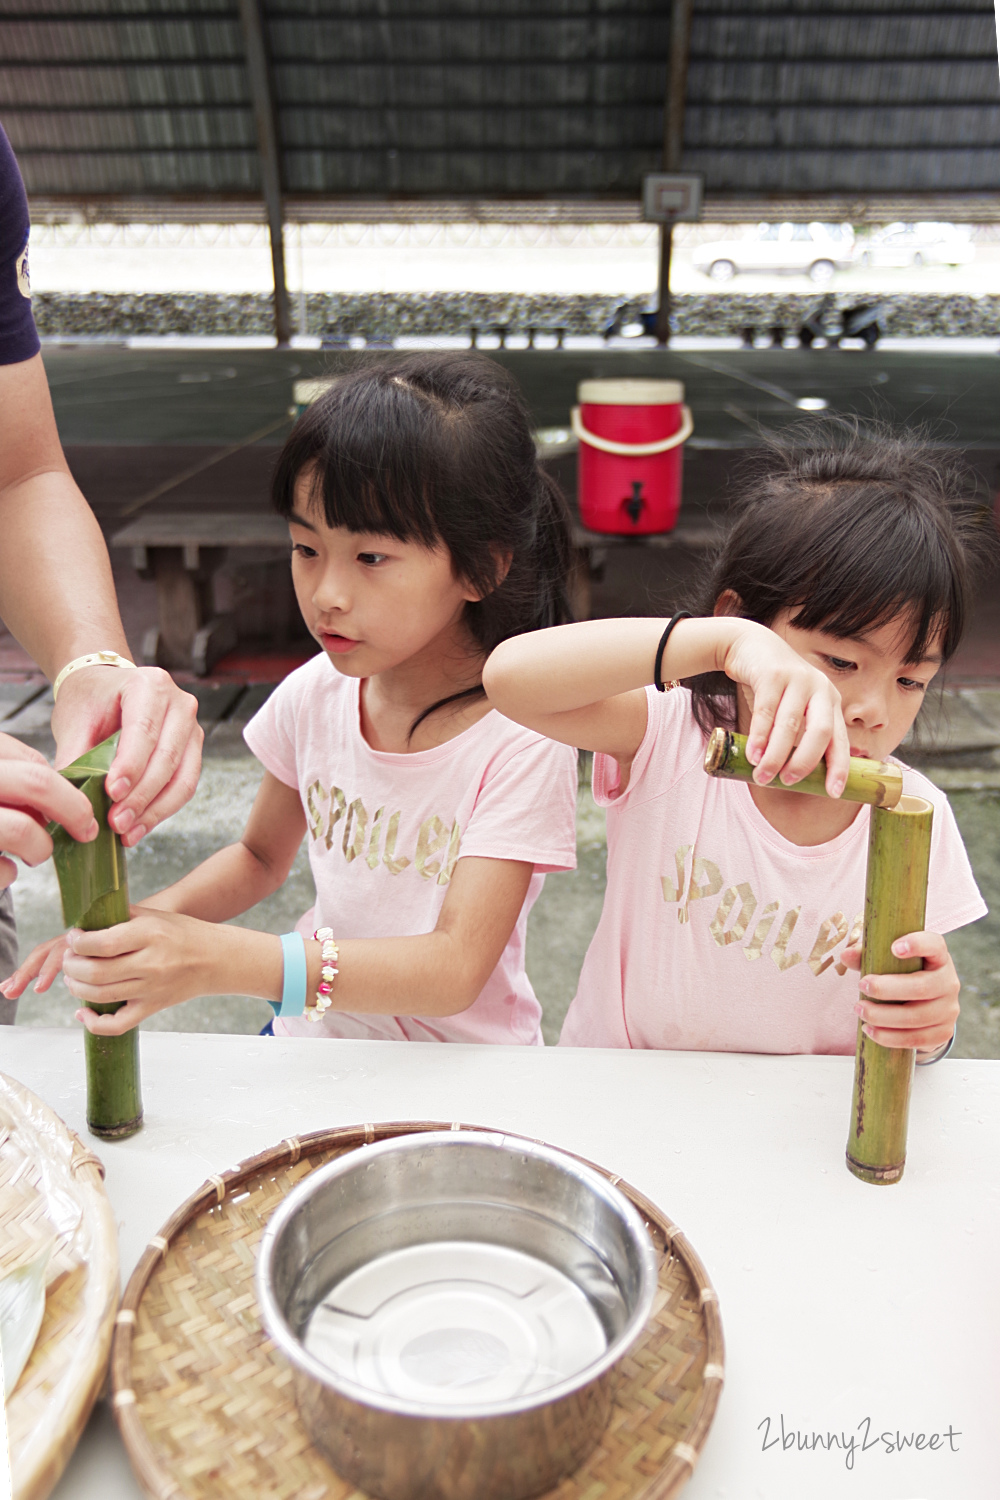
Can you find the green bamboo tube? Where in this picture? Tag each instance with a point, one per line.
(93, 885)
(899, 848)
(873, 781)
(114, 1093)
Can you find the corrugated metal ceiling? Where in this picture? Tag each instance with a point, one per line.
(501, 98)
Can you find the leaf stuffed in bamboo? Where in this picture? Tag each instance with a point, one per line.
(93, 886)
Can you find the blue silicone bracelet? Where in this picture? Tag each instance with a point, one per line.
(293, 989)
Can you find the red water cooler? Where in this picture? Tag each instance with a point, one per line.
(631, 435)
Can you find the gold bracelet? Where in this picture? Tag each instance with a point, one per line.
(92, 659)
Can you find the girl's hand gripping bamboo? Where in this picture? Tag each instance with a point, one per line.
(899, 844)
(874, 781)
(93, 885)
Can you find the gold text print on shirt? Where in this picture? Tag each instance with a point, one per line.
(371, 837)
(737, 909)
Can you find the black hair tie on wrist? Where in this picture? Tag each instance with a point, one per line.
(682, 614)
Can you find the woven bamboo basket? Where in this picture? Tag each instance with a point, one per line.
(51, 1185)
(204, 1401)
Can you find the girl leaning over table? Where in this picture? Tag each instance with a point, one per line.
(732, 917)
(423, 533)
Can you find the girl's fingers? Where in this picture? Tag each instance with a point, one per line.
(788, 725)
(115, 1024)
(50, 967)
(838, 754)
(110, 942)
(925, 984)
(761, 722)
(813, 744)
(935, 1011)
(14, 984)
(930, 946)
(22, 976)
(101, 972)
(104, 994)
(8, 872)
(926, 1039)
(46, 977)
(851, 958)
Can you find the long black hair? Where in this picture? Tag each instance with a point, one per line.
(850, 524)
(438, 448)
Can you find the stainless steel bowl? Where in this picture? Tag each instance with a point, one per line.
(454, 1306)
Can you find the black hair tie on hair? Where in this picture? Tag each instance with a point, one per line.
(682, 614)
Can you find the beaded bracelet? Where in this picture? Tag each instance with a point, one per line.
(329, 956)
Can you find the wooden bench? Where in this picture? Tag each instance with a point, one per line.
(181, 552)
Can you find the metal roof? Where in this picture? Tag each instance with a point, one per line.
(857, 96)
(550, 99)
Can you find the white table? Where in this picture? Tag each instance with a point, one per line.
(745, 1153)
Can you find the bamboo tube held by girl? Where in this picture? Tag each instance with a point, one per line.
(732, 918)
(423, 533)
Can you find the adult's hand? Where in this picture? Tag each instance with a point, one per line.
(31, 795)
(158, 762)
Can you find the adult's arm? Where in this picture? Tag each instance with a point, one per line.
(57, 598)
(32, 794)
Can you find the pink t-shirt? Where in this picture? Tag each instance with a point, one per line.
(385, 832)
(719, 935)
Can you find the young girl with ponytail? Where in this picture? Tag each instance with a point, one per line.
(732, 919)
(423, 534)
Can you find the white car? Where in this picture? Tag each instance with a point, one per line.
(814, 250)
(918, 245)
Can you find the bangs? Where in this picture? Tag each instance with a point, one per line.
(850, 526)
(881, 561)
(372, 454)
(436, 449)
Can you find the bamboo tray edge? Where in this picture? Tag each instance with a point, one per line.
(51, 1403)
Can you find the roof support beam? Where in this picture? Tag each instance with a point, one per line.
(259, 74)
(673, 144)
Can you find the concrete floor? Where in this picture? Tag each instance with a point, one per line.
(560, 926)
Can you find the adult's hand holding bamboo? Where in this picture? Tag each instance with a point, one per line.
(157, 759)
(31, 791)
